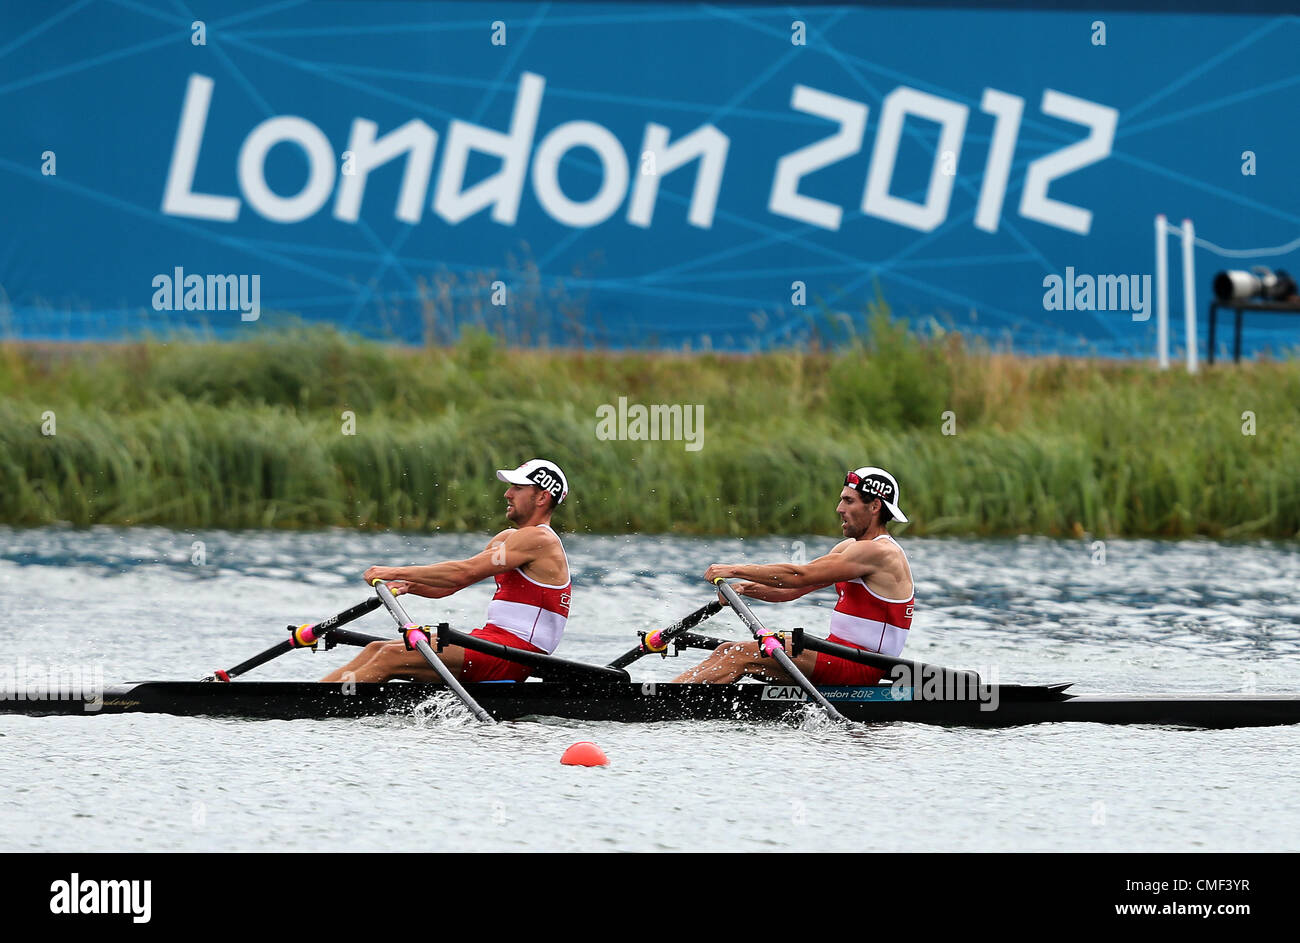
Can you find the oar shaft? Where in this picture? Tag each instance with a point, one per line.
(786, 662)
(348, 637)
(418, 639)
(545, 665)
(261, 658)
(301, 638)
(346, 616)
(704, 642)
(770, 644)
(917, 669)
(658, 641)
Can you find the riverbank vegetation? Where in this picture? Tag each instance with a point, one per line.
(309, 428)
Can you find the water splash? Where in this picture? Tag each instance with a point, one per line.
(442, 709)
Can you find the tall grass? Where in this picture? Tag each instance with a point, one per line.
(195, 434)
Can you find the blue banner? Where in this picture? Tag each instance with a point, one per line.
(658, 175)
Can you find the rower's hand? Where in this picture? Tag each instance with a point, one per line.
(384, 573)
(740, 589)
(397, 587)
(719, 571)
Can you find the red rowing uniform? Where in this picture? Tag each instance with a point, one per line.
(522, 614)
(863, 619)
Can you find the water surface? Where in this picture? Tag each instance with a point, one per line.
(1180, 617)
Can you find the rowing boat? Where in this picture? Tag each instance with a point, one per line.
(988, 706)
(919, 693)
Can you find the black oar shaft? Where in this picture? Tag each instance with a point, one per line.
(664, 636)
(544, 665)
(347, 615)
(319, 630)
(705, 642)
(772, 646)
(348, 637)
(261, 658)
(917, 669)
(419, 640)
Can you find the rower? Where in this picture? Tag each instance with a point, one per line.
(869, 571)
(531, 604)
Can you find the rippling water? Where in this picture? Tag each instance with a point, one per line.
(1190, 616)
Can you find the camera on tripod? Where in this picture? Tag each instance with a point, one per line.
(1259, 283)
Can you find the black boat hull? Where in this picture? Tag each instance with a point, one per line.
(996, 706)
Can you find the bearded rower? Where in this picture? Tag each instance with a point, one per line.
(869, 571)
(531, 604)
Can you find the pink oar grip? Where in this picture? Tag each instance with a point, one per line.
(415, 633)
(768, 643)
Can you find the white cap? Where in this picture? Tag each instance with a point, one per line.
(538, 471)
(873, 482)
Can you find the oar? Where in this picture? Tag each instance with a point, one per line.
(703, 642)
(953, 679)
(768, 641)
(658, 641)
(418, 639)
(543, 665)
(348, 637)
(303, 636)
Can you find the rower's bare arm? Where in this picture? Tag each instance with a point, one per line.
(770, 593)
(401, 587)
(839, 565)
(507, 550)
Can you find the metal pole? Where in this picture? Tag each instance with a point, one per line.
(1162, 293)
(1189, 293)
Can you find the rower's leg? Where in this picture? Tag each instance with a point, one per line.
(385, 661)
(725, 665)
(729, 663)
(768, 669)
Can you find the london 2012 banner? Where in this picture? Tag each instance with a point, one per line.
(659, 175)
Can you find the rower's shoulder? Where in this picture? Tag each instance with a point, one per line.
(534, 536)
(872, 549)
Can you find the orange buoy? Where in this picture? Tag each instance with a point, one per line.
(584, 753)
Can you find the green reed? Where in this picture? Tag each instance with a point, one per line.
(253, 434)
